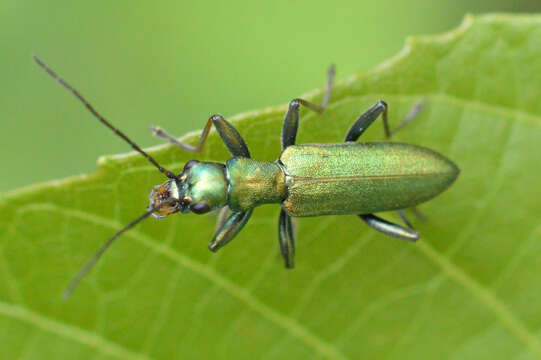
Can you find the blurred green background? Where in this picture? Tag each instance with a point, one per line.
(174, 63)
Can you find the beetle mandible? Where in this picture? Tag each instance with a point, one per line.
(307, 180)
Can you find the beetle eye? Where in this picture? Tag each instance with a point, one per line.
(200, 208)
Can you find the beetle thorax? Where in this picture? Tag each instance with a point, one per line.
(203, 186)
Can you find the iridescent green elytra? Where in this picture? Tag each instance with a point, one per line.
(353, 178)
(306, 180)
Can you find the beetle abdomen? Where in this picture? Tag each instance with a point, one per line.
(361, 178)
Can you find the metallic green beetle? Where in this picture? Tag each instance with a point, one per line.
(307, 180)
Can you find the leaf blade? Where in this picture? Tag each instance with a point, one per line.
(362, 296)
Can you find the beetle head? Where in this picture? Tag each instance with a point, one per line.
(200, 188)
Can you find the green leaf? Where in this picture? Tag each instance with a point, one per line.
(469, 289)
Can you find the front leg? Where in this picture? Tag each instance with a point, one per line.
(229, 229)
(230, 136)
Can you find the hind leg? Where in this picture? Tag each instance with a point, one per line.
(356, 130)
(389, 228)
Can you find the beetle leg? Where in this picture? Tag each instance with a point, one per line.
(418, 213)
(389, 228)
(230, 136)
(291, 119)
(287, 239)
(223, 214)
(366, 119)
(229, 229)
(404, 218)
(411, 115)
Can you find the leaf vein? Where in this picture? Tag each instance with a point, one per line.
(484, 295)
(297, 330)
(68, 331)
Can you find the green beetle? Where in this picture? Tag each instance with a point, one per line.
(307, 180)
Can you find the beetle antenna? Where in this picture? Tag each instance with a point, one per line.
(97, 255)
(90, 108)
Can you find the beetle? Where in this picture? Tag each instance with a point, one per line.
(306, 180)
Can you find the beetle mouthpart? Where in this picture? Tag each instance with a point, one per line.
(164, 198)
(154, 215)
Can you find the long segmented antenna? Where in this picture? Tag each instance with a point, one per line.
(49, 71)
(97, 255)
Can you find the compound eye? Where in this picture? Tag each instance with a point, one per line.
(200, 208)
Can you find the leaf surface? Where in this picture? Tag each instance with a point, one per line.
(469, 289)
